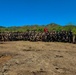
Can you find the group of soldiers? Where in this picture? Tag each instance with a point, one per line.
(49, 36)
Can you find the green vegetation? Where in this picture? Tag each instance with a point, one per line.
(50, 27)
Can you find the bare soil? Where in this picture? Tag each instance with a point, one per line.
(37, 58)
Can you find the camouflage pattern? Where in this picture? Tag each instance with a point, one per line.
(52, 36)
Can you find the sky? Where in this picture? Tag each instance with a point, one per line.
(41, 12)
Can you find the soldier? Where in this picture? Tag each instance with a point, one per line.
(48, 36)
(70, 36)
(0, 36)
(74, 38)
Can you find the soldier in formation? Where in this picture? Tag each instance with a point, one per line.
(46, 36)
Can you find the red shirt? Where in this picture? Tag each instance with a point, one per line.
(45, 30)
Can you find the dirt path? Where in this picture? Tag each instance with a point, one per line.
(37, 58)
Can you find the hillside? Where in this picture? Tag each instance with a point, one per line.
(51, 26)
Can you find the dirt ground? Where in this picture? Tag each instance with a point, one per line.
(37, 58)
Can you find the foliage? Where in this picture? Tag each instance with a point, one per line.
(50, 27)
